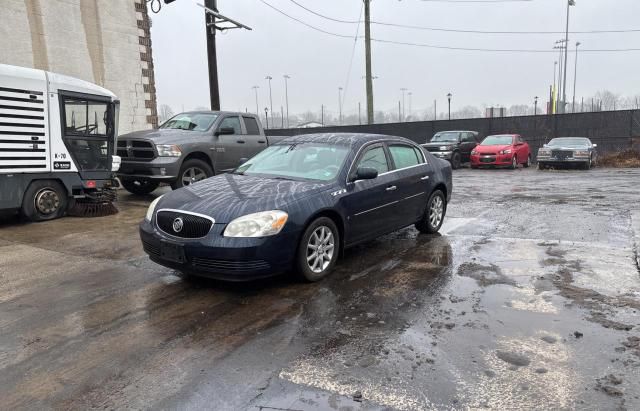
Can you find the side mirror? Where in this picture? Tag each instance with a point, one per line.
(225, 131)
(365, 173)
(594, 145)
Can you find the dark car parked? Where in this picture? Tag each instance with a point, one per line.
(454, 146)
(568, 151)
(297, 205)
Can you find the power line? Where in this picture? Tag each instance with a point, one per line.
(353, 52)
(434, 46)
(412, 27)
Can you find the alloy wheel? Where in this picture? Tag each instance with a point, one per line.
(47, 201)
(436, 211)
(320, 249)
(192, 175)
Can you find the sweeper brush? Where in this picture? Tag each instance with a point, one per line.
(98, 204)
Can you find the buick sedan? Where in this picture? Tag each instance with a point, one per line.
(296, 206)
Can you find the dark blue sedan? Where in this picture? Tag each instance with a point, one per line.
(296, 206)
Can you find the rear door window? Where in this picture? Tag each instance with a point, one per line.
(404, 156)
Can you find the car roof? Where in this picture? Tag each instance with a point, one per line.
(237, 113)
(351, 139)
(456, 131)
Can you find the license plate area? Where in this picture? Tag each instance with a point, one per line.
(172, 252)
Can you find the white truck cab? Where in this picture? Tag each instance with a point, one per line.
(57, 142)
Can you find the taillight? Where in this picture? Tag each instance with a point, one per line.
(90, 184)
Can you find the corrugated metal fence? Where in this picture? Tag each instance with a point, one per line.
(612, 130)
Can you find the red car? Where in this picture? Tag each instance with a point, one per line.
(505, 150)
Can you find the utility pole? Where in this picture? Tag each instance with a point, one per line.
(403, 106)
(399, 113)
(553, 91)
(340, 103)
(566, 45)
(449, 98)
(281, 117)
(435, 110)
(535, 106)
(215, 21)
(322, 115)
(410, 94)
(575, 77)
(255, 88)
(367, 50)
(359, 114)
(269, 78)
(560, 44)
(286, 96)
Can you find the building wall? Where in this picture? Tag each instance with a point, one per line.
(105, 42)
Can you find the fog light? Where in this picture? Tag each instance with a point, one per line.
(163, 171)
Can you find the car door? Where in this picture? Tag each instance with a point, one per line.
(255, 141)
(412, 179)
(229, 147)
(522, 149)
(369, 204)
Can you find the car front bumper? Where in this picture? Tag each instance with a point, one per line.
(223, 258)
(445, 155)
(498, 160)
(552, 161)
(158, 169)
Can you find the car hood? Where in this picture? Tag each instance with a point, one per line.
(492, 149)
(161, 136)
(439, 144)
(228, 196)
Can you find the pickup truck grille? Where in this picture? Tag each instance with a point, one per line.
(136, 150)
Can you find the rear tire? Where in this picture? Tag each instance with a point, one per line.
(456, 160)
(434, 214)
(192, 171)
(318, 250)
(44, 200)
(140, 187)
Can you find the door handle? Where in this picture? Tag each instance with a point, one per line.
(261, 141)
(424, 178)
(240, 141)
(391, 188)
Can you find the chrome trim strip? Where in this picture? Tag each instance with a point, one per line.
(415, 195)
(213, 222)
(376, 208)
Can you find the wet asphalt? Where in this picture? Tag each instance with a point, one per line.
(529, 299)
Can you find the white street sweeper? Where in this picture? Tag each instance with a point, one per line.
(57, 145)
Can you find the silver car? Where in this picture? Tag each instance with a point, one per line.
(566, 151)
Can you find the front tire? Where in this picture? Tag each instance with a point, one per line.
(318, 250)
(434, 215)
(140, 187)
(514, 162)
(192, 171)
(528, 163)
(456, 160)
(44, 200)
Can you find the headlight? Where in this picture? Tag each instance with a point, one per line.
(508, 151)
(445, 148)
(116, 161)
(474, 153)
(581, 153)
(544, 152)
(261, 224)
(168, 150)
(152, 208)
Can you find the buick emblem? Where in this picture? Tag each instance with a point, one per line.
(178, 224)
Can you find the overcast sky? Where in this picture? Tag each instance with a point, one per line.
(319, 63)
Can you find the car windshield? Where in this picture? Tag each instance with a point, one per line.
(448, 137)
(310, 161)
(569, 142)
(497, 141)
(190, 121)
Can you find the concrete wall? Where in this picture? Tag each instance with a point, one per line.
(613, 131)
(104, 42)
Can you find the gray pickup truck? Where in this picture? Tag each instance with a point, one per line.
(187, 148)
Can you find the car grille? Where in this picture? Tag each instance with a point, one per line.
(561, 155)
(192, 226)
(137, 150)
(227, 265)
(487, 159)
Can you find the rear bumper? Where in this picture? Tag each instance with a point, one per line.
(159, 169)
(222, 258)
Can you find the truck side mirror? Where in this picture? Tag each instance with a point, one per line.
(225, 131)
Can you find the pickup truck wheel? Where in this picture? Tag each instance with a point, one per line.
(192, 171)
(44, 200)
(456, 160)
(140, 187)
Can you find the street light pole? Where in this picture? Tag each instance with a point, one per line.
(575, 76)
(340, 103)
(286, 96)
(535, 106)
(410, 94)
(449, 98)
(403, 110)
(266, 115)
(270, 96)
(566, 45)
(255, 88)
(553, 93)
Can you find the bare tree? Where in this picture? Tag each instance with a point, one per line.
(467, 112)
(164, 113)
(609, 100)
(520, 110)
